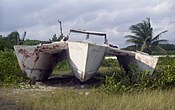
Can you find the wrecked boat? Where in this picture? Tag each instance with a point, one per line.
(39, 61)
(84, 57)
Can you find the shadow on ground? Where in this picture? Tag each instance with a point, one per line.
(72, 81)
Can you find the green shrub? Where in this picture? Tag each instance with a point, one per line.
(162, 78)
(10, 72)
(111, 64)
(165, 73)
(63, 65)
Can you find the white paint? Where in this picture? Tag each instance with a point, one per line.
(142, 60)
(85, 59)
(38, 61)
(146, 62)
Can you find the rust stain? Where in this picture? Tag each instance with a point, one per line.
(35, 55)
(27, 55)
(24, 52)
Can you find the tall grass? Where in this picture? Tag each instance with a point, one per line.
(67, 99)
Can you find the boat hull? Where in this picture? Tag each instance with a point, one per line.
(38, 62)
(85, 59)
(142, 61)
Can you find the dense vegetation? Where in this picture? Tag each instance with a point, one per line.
(10, 72)
(162, 78)
(14, 38)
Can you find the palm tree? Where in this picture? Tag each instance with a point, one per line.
(143, 38)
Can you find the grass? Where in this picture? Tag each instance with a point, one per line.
(63, 67)
(85, 99)
(67, 98)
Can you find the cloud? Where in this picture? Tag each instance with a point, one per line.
(39, 18)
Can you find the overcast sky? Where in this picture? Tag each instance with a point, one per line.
(114, 17)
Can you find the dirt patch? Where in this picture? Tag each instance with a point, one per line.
(72, 82)
(58, 82)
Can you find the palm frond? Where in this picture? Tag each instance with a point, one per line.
(149, 22)
(133, 39)
(146, 28)
(135, 29)
(143, 29)
(158, 35)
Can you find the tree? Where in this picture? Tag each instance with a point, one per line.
(55, 38)
(31, 42)
(143, 39)
(4, 44)
(13, 38)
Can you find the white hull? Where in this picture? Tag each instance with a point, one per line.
(38, 61)
(85, 59)
(144, 62)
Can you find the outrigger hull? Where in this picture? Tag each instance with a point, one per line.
(85, 59)
(142, 61)
(38, 62)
